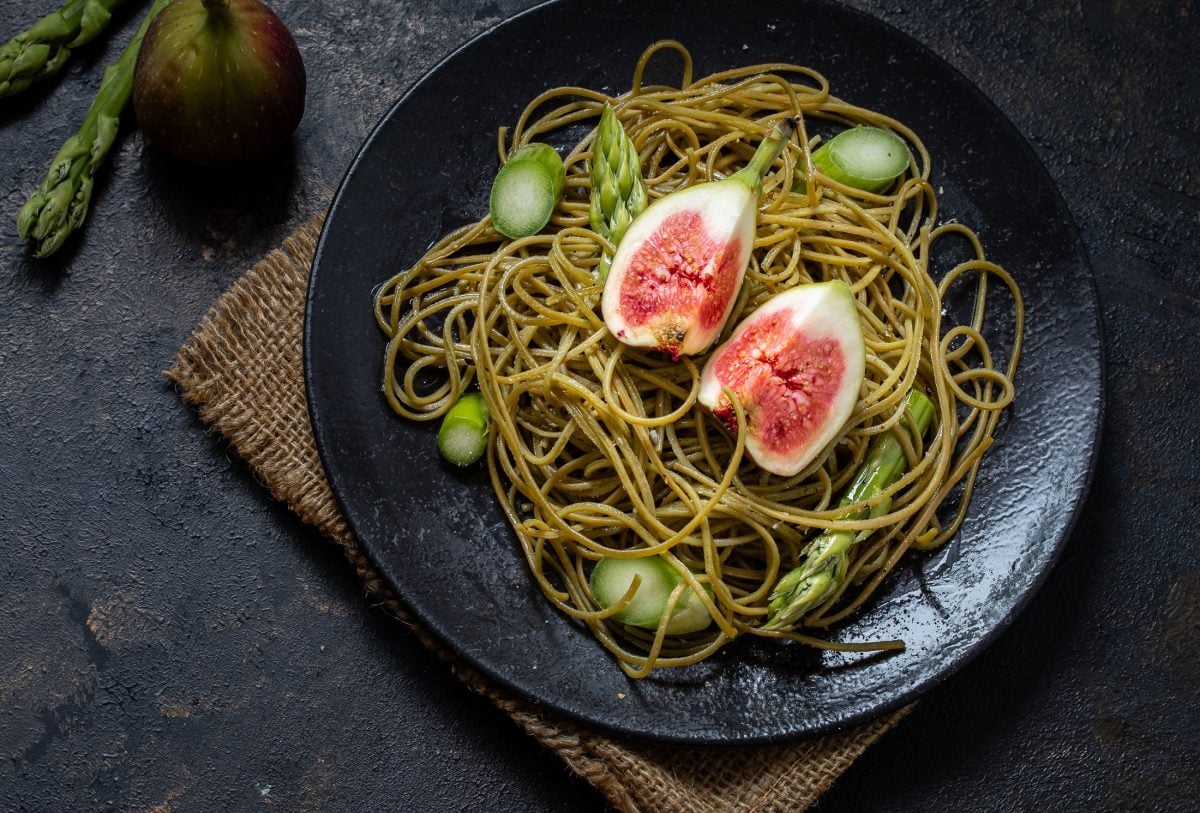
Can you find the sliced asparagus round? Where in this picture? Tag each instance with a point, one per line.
(618, 190)
(526, 190)
(866, 158)
(611, 579)
(463, 436)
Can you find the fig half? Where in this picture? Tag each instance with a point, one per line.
(218, 81)
(677, 270)
(796, 366)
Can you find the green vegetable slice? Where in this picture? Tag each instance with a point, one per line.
(865, 158)
(463, 436)
(526, 190)
(611, 579)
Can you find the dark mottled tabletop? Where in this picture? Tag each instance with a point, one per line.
(170, 637)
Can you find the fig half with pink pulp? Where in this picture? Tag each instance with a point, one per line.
(218, 81)
(796, 366)
(676, 272)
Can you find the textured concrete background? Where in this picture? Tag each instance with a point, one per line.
(170, 638)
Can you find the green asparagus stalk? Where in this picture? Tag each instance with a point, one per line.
(827, 557)
(60, 203)
(40, 52)
(618, 191)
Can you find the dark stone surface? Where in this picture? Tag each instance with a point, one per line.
(171, 638)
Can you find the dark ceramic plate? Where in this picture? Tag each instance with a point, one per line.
(437, 536)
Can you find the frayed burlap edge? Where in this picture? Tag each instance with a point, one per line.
(242, 369)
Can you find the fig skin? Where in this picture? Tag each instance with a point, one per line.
(218, 81)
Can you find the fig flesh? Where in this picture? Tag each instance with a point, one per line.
(218, 81)
(796, 366)
(677, 271)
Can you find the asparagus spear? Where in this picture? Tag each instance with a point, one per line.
(39, 52)
(828, 556)
(59, 205)
(618, 191)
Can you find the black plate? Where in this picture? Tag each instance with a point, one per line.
(437, 536)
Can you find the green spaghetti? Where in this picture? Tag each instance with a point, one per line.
(600, 451)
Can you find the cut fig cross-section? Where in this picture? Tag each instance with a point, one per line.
(796, 366)
(677, 270)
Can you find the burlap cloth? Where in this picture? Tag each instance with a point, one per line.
(243, 369)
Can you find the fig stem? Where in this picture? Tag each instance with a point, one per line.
(827, 557)
(215, 5)
(768, 150)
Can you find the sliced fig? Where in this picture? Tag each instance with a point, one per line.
(796, 366)
(677, 270)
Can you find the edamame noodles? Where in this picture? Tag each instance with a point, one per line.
(601, 450)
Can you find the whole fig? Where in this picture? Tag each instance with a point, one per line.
(218, 81)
